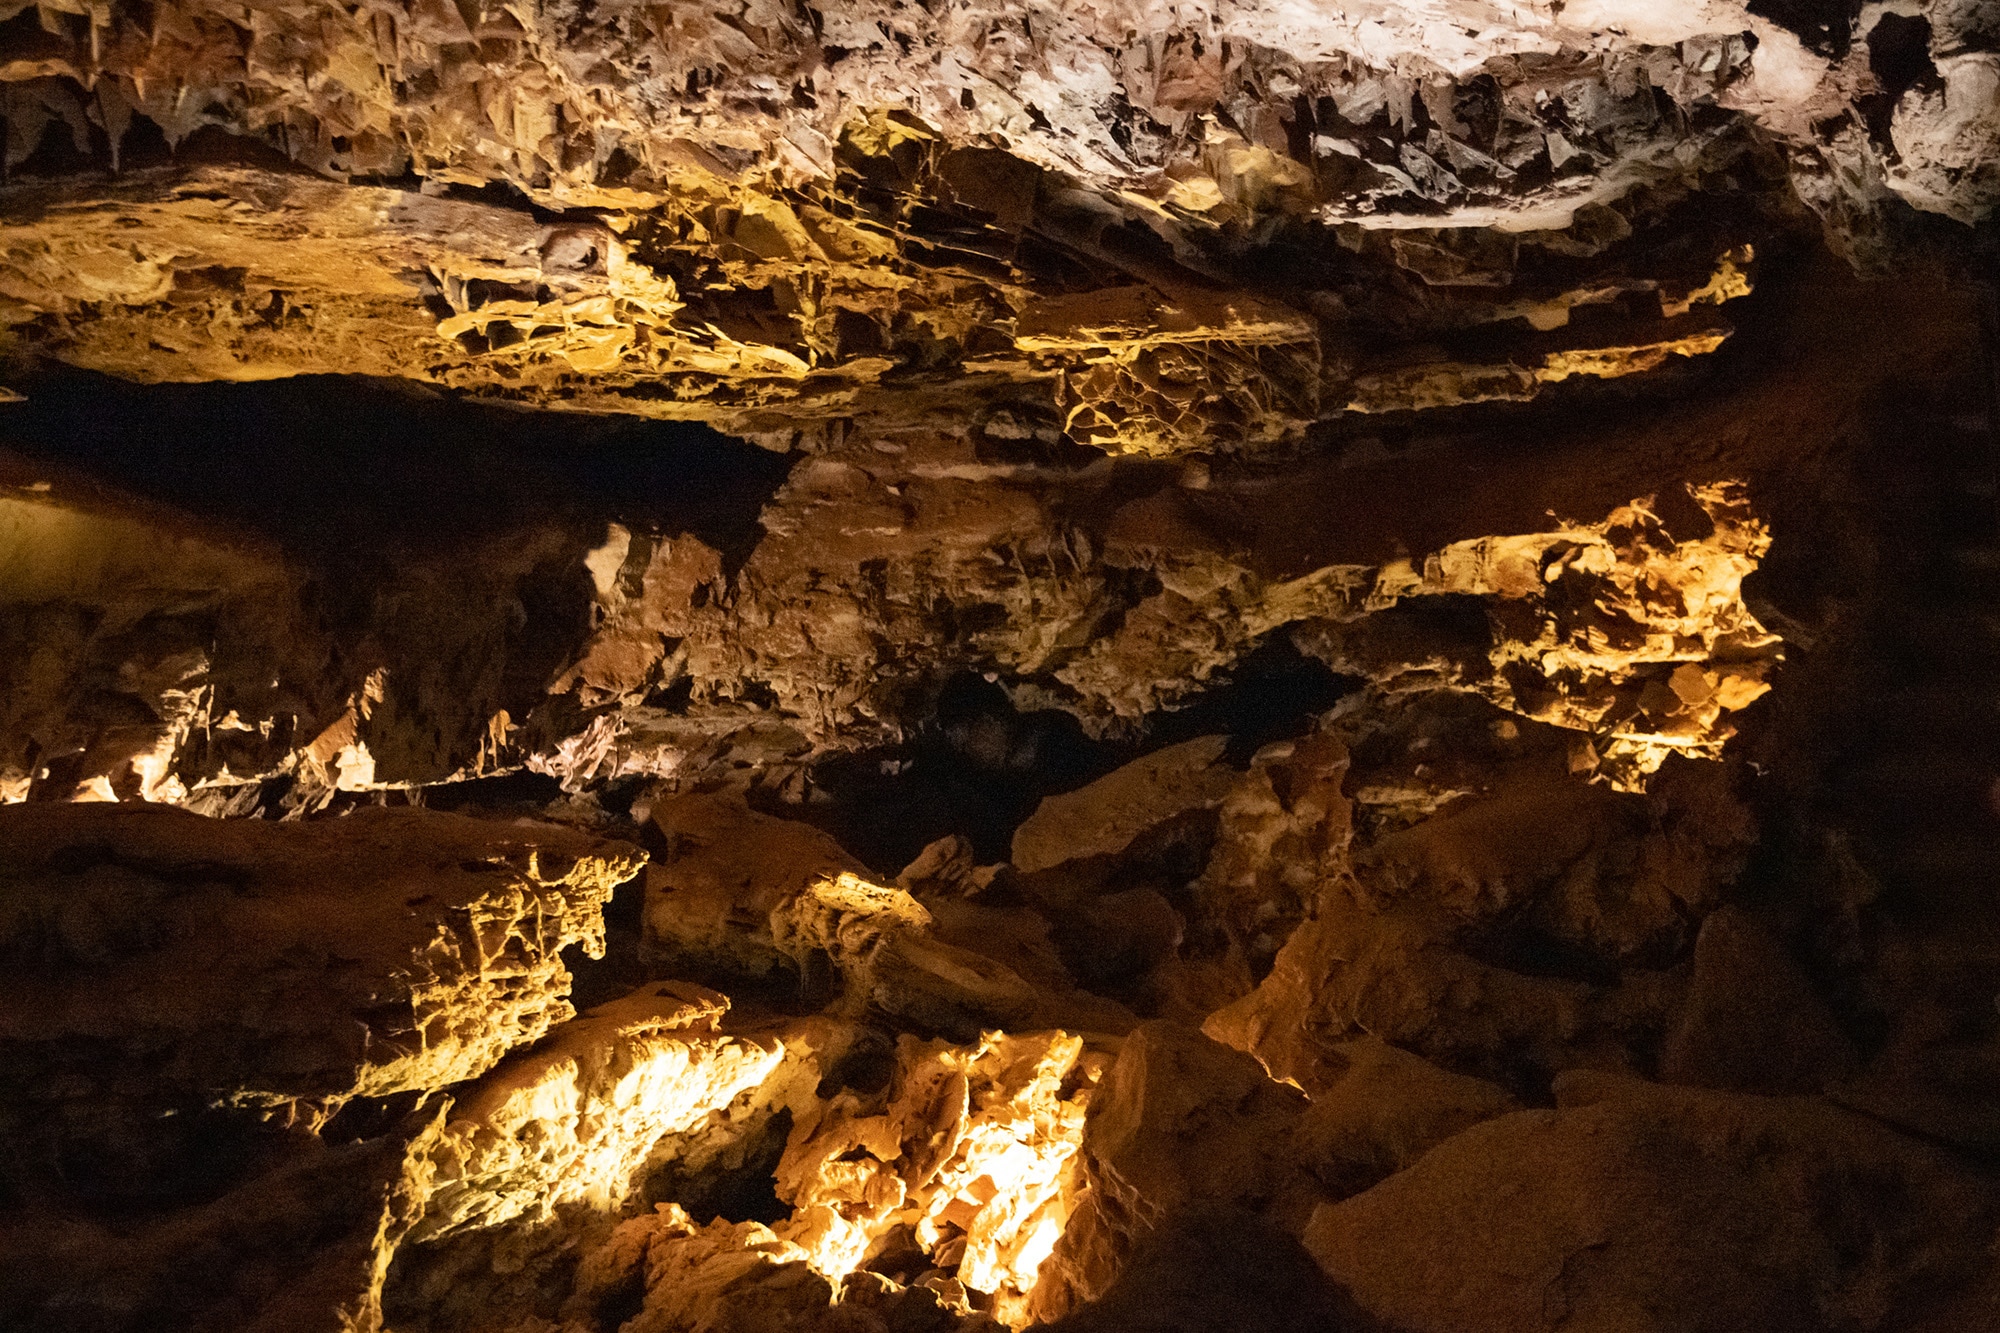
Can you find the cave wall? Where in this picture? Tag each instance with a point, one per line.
(886, 667)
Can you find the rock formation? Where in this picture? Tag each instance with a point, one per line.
(884, 668)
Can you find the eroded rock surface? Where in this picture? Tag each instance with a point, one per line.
(1630, 1204)
(285, 968)
(216, 1032)
(1338, 677)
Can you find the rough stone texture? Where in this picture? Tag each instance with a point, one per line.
(896, 556)
(1751, 1021)
(743, 1276)
(193, 1004)
(710, 900)
(1384, 1110)
(538, 1160)
(970, 1158)
(283, 968)
(1511, 934)
(1179, 1123)
(797, 208)
(575, 1119)
(1633, 1206)
(1449, 409)
(1103, 818)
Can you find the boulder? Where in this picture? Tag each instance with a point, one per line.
(1104, 817)
(1633, 1206)
(1385, 1109)
(160, 959)
(1179, 1122)
(1751, 1021)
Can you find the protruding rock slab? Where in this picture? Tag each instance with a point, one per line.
(541, 1156)
(190, 998)
(1751, 1021)
(727, 869)
(284, 967)
(573, 1120)
(1103, 818)
(1386, 1109)
(968, 1158)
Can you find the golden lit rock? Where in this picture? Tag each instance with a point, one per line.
(971, 1154)
(1184, 607)
(574, 1120)
(291, 968)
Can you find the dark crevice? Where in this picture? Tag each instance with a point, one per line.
(978, 766)
(338, 470)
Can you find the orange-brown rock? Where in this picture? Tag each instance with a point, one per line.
(1180, 1123)
(1751, 1021)
(282, 968)
(217, 1031)
(1637, 1206)
(1383, 1111)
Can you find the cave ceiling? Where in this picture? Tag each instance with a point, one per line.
(1180, 227)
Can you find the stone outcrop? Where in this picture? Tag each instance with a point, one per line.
(803, 211)
(1632, 1204)
(970, 1160)
(1179, 1124)
(285, 969)
(1419, 632)
(217, 1029)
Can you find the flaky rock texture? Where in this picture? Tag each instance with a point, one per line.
(194, 1001)
(1274, 665)
(574, 1121)
(797, 209)
(971, 1160)
(401, 951)
(1178, 1122)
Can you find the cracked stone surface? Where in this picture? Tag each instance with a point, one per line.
(932, 668)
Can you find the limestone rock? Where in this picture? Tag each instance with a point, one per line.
(1284, 828)
(1612, 649)
(220, 1028)
(743, 1276)
(1500, 942)
(1631, 1205)
(617, 1080)
(1384, 1110)
(969, 1155)
(709, 901)
(545, 1153)
(294, 1243)
(1751, 1021)
(1214, 1270)
(1396, 974)
(143, 634)
(1104, 817)
(744, 895)
(1179, 1122)
(285, 968)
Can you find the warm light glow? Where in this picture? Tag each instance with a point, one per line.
(973, 1149)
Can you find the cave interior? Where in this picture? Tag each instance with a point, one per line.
(946, 667)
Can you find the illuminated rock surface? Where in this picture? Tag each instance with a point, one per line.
(899, 668)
